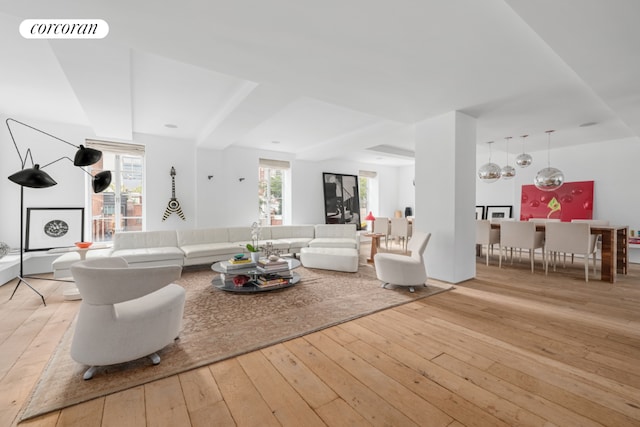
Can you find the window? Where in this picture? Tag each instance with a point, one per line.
(119, 207)
(365, 189)
(272, 194)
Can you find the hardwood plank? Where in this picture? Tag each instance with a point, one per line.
(164, 403)
(544, 408)
(312, 389)
(47, 420)
(406, 367)
(402, 398)
(199, 388)
(593, 387)
(363, 400)
(592, 409)
(245, 403)
(125, 409)
(285, 403)
(338, 413)
(86, 414)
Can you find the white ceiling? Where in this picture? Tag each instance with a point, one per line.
(330, 79)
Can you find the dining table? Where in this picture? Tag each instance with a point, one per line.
(614, 249)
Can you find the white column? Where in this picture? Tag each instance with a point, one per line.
(445, 194)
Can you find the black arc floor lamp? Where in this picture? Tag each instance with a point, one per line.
(35, 177)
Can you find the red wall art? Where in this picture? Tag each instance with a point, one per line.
(574, 200)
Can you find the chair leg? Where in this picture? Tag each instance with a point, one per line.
(586, 267)
(89, 373)
(531, 254)
(155, 359)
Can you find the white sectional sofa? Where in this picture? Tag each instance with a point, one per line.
(206, 246)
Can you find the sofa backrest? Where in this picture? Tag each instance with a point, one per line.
(144, 239)
(292, 231)
(336, 230)
(204, 235)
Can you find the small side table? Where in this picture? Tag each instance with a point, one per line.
(375, 243)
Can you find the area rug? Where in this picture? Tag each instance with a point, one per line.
(219, 325)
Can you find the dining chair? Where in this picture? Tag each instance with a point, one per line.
(596, 239)
(485, 235)
(399, 229)
(521, 235)
(567, 237)
(381, 226)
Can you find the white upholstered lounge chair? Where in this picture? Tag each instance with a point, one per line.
(126, 312)
(404, 270)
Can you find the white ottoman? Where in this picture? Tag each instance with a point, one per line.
(339, 259)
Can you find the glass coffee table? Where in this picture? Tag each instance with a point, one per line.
(231, 280)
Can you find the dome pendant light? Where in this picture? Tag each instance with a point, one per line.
(508, 171)
(523, 160)
(549, 179)
(489, 172)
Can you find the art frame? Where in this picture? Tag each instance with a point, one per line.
(49, 228)
(480, 212)
(499, 212)
(341, 199)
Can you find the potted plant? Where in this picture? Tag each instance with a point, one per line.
(253, 247)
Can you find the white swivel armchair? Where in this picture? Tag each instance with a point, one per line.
(126, 312)
(485, 235)
(403, 270)
(521, 235)
(568, 237)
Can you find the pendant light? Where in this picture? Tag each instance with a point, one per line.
(489, 172)
(549, 179)
(508, 171)
(523, 160)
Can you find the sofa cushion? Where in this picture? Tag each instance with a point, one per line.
(144, 239)
(287, 232)
(150, 254)
(333, 242)
(200, 236)
(339, 259)
(211, 249)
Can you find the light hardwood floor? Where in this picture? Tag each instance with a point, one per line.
(507, 348)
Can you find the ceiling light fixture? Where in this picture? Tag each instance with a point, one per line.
(489, 172)
(549, 179)
(523, 160)
(508, 171)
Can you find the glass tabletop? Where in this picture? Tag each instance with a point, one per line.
(223, 267)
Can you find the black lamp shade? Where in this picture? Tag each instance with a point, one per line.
(34, 178)
(87, 156)
(101, 181)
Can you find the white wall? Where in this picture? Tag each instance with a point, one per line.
(160, 155)
(610, 164)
